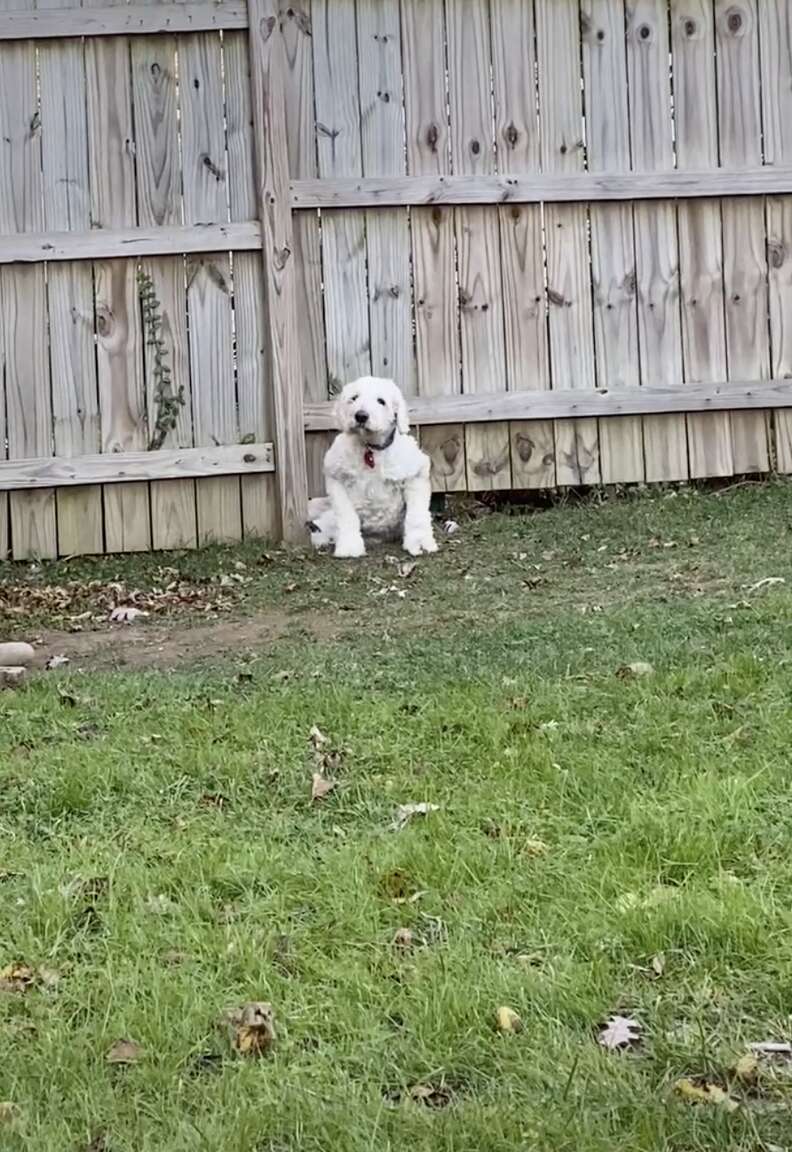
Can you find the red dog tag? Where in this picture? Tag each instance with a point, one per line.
(368, 458)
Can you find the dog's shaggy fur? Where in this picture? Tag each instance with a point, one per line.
(377, 477)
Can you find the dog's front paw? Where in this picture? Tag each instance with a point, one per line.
(350, 548)
(420, 545)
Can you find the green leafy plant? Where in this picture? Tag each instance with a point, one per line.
(167, 402)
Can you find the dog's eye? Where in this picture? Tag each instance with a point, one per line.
(353, 399)
(380, 401)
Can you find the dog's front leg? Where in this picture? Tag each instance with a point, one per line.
(418, 535)
(349, 543)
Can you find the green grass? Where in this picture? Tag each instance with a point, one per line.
(154, 812)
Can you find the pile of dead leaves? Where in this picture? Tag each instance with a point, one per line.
(79, 604)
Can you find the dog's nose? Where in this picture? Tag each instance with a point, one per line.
(361, 417)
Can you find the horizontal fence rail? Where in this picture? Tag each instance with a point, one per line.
(573, 403)
(198, 16)
(413, 191)
(109, 243)
(124, 467)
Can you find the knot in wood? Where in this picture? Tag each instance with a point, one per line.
(776, 253)
(512, 135)
(475, 147)
(734, 22)
(690, 29)
(267, 27)
(645, 33)
(432, 136)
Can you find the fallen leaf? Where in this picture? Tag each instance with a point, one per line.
(747, 1069)
(57, 662)
(405, 813)
(450, 527)
(124, 1052)
(620, 1032)
(8, 1111)
(430, 1095)
(771, 1048)
(160, 905)
(126, 615)
(317, 737)
(321, 786)
(704, 1093)
(16, 978)
(98, 1143)
(548, 726)
(658, 964)
(535, 847)
(635, 670)
(174, 958)
(508, 1021)
(253, 1028)
(406, 569)
(48, 977)
(403, 939)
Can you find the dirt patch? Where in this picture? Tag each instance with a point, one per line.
(179, 641)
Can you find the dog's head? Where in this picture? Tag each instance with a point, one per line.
(372, 408)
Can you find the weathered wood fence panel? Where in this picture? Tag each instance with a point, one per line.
(564, 226)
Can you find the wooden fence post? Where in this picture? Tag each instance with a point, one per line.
(267, 72)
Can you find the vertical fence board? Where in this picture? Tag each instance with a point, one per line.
(657, 269)
(154, 87)
(383, 154)
(434, 274)
(259, 498)
(612, 240)
(521, 240)
(566, 229)
(209, 279)
(477, 238)
(776, 80)
(122, 398)
(23, 323)
(301, 145)
(343, 232)
(700, 232)
(744, 239)
(70, 294)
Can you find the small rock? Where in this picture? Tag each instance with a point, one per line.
(12, 677)
(15, 654)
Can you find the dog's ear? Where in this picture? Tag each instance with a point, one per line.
(402, 414)
(338, 408)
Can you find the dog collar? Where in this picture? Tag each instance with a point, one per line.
(368, 455)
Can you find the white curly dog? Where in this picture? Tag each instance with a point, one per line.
(376, 475)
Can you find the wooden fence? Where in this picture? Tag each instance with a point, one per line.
(564, 226)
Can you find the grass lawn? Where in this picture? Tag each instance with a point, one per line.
(603, 843)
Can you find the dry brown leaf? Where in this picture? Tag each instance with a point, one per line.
(635, 671)
(321, 786)
(124, 1052)
(747, 1069)
(403, 939)
(16, 978)
(317, 737)
(658, 964)
(405, 813)
(535, 847)
(126, 614)
(704, 1093)
(433, 1096)
(508, 1021)
(48, 977)
(620, 1032)
(253, 1028)
(8, 1111)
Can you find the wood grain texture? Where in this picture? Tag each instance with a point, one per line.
(335, 60)
(480, 287)
(119, 338)
(444, 444)
(612, 240)
(517, 150)
(108, 19)
(209, 285)
(122, 468)
(296, 30)
(656, 252)
(569, 283)
(744, 238)
(260, 517)
(700, 232)
(572, 188)
(23, 324)
(387, 230)
(268, 79)
(571, 403)
(141, 243)
(776, 87)
(154, 88)
(434, 273)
